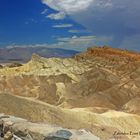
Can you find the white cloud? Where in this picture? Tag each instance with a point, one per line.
(57, 16)
(117, 18)
(44, 11)
(75, 31)
(75, 6)
(62, 26)
(13, 45)
(76, 38)
(82, 42)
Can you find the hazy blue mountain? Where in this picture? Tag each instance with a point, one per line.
(24, 54)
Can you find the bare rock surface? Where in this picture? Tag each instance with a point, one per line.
(21, 129)
(97, 90)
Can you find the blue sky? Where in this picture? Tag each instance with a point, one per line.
(70, 24)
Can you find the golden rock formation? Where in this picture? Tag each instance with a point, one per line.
(97, 90)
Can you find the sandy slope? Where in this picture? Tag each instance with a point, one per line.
(102, 125)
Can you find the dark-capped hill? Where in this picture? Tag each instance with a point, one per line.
(110, 53)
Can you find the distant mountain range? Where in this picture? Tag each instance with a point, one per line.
(24, 54)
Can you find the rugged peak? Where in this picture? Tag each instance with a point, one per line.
(35, 57)
(110, 53)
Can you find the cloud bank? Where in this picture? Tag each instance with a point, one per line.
(74, 43)
(68, 6)
(117, 18)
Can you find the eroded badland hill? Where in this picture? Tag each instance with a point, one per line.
(98, 90)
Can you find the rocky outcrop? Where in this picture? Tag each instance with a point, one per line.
(21, 129)
(107, 52)
(132, 106)
(12, 65)
(1, 66)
